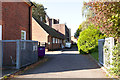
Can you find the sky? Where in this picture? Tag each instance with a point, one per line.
(67, 11)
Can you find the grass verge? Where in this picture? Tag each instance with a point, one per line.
(95, 55)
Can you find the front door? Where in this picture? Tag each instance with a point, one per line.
(0, 32)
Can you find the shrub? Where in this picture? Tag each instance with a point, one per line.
(88, 39)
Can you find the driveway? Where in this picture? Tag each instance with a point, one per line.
(66, 64)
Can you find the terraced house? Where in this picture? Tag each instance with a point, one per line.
(45, 34)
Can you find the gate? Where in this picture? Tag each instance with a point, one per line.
(100, 49)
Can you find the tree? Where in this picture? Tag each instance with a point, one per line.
(38, 11)
(77, 33)
(86, 11)
(84, 25)
(106, 18)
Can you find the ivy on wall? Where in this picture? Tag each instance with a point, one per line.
(115, 70)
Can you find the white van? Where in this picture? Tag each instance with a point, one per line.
(68, 45)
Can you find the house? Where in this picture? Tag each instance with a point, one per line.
(50, 21)
(16, 21)
(62, 28)
(15, 24)
(44, 33)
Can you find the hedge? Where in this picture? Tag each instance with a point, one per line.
(88, 39)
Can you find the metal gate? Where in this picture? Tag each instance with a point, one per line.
(100, 49)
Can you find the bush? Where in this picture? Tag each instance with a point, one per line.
(88, 39)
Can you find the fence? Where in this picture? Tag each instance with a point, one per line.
(19, 53)
(105, 48)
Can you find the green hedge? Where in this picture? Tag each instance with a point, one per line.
(88, 40)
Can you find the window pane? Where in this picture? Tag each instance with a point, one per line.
(23, 35)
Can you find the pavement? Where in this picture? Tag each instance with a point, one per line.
(65, 64)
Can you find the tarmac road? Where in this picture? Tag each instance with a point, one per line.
(66, 64)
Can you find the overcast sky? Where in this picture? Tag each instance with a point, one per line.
(68, 11)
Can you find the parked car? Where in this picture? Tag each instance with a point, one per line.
(68, 45)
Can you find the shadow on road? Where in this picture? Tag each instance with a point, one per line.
(64, 62)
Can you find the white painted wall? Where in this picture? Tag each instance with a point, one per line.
(109, 44)
(0, 32)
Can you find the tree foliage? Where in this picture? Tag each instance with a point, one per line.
(38, 11)
(77, 33)
(88, 39)
(84, 25)
(116, 60)
(106, 17)
(86, 11)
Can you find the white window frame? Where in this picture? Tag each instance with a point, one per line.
(22, 31)
(53, 40)
(23, 43)
(56, 40)
(0, 32)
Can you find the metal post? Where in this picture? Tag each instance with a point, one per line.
(39, 44)
(18, 54)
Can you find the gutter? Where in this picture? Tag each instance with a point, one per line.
(30, 21)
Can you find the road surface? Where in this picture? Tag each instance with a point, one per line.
(66, 64)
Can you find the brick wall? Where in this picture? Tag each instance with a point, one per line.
(0, 12)
(51, 45)
(15, 17)
(62, 28)
(59, 27)
(38, 33)
(67, 34)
